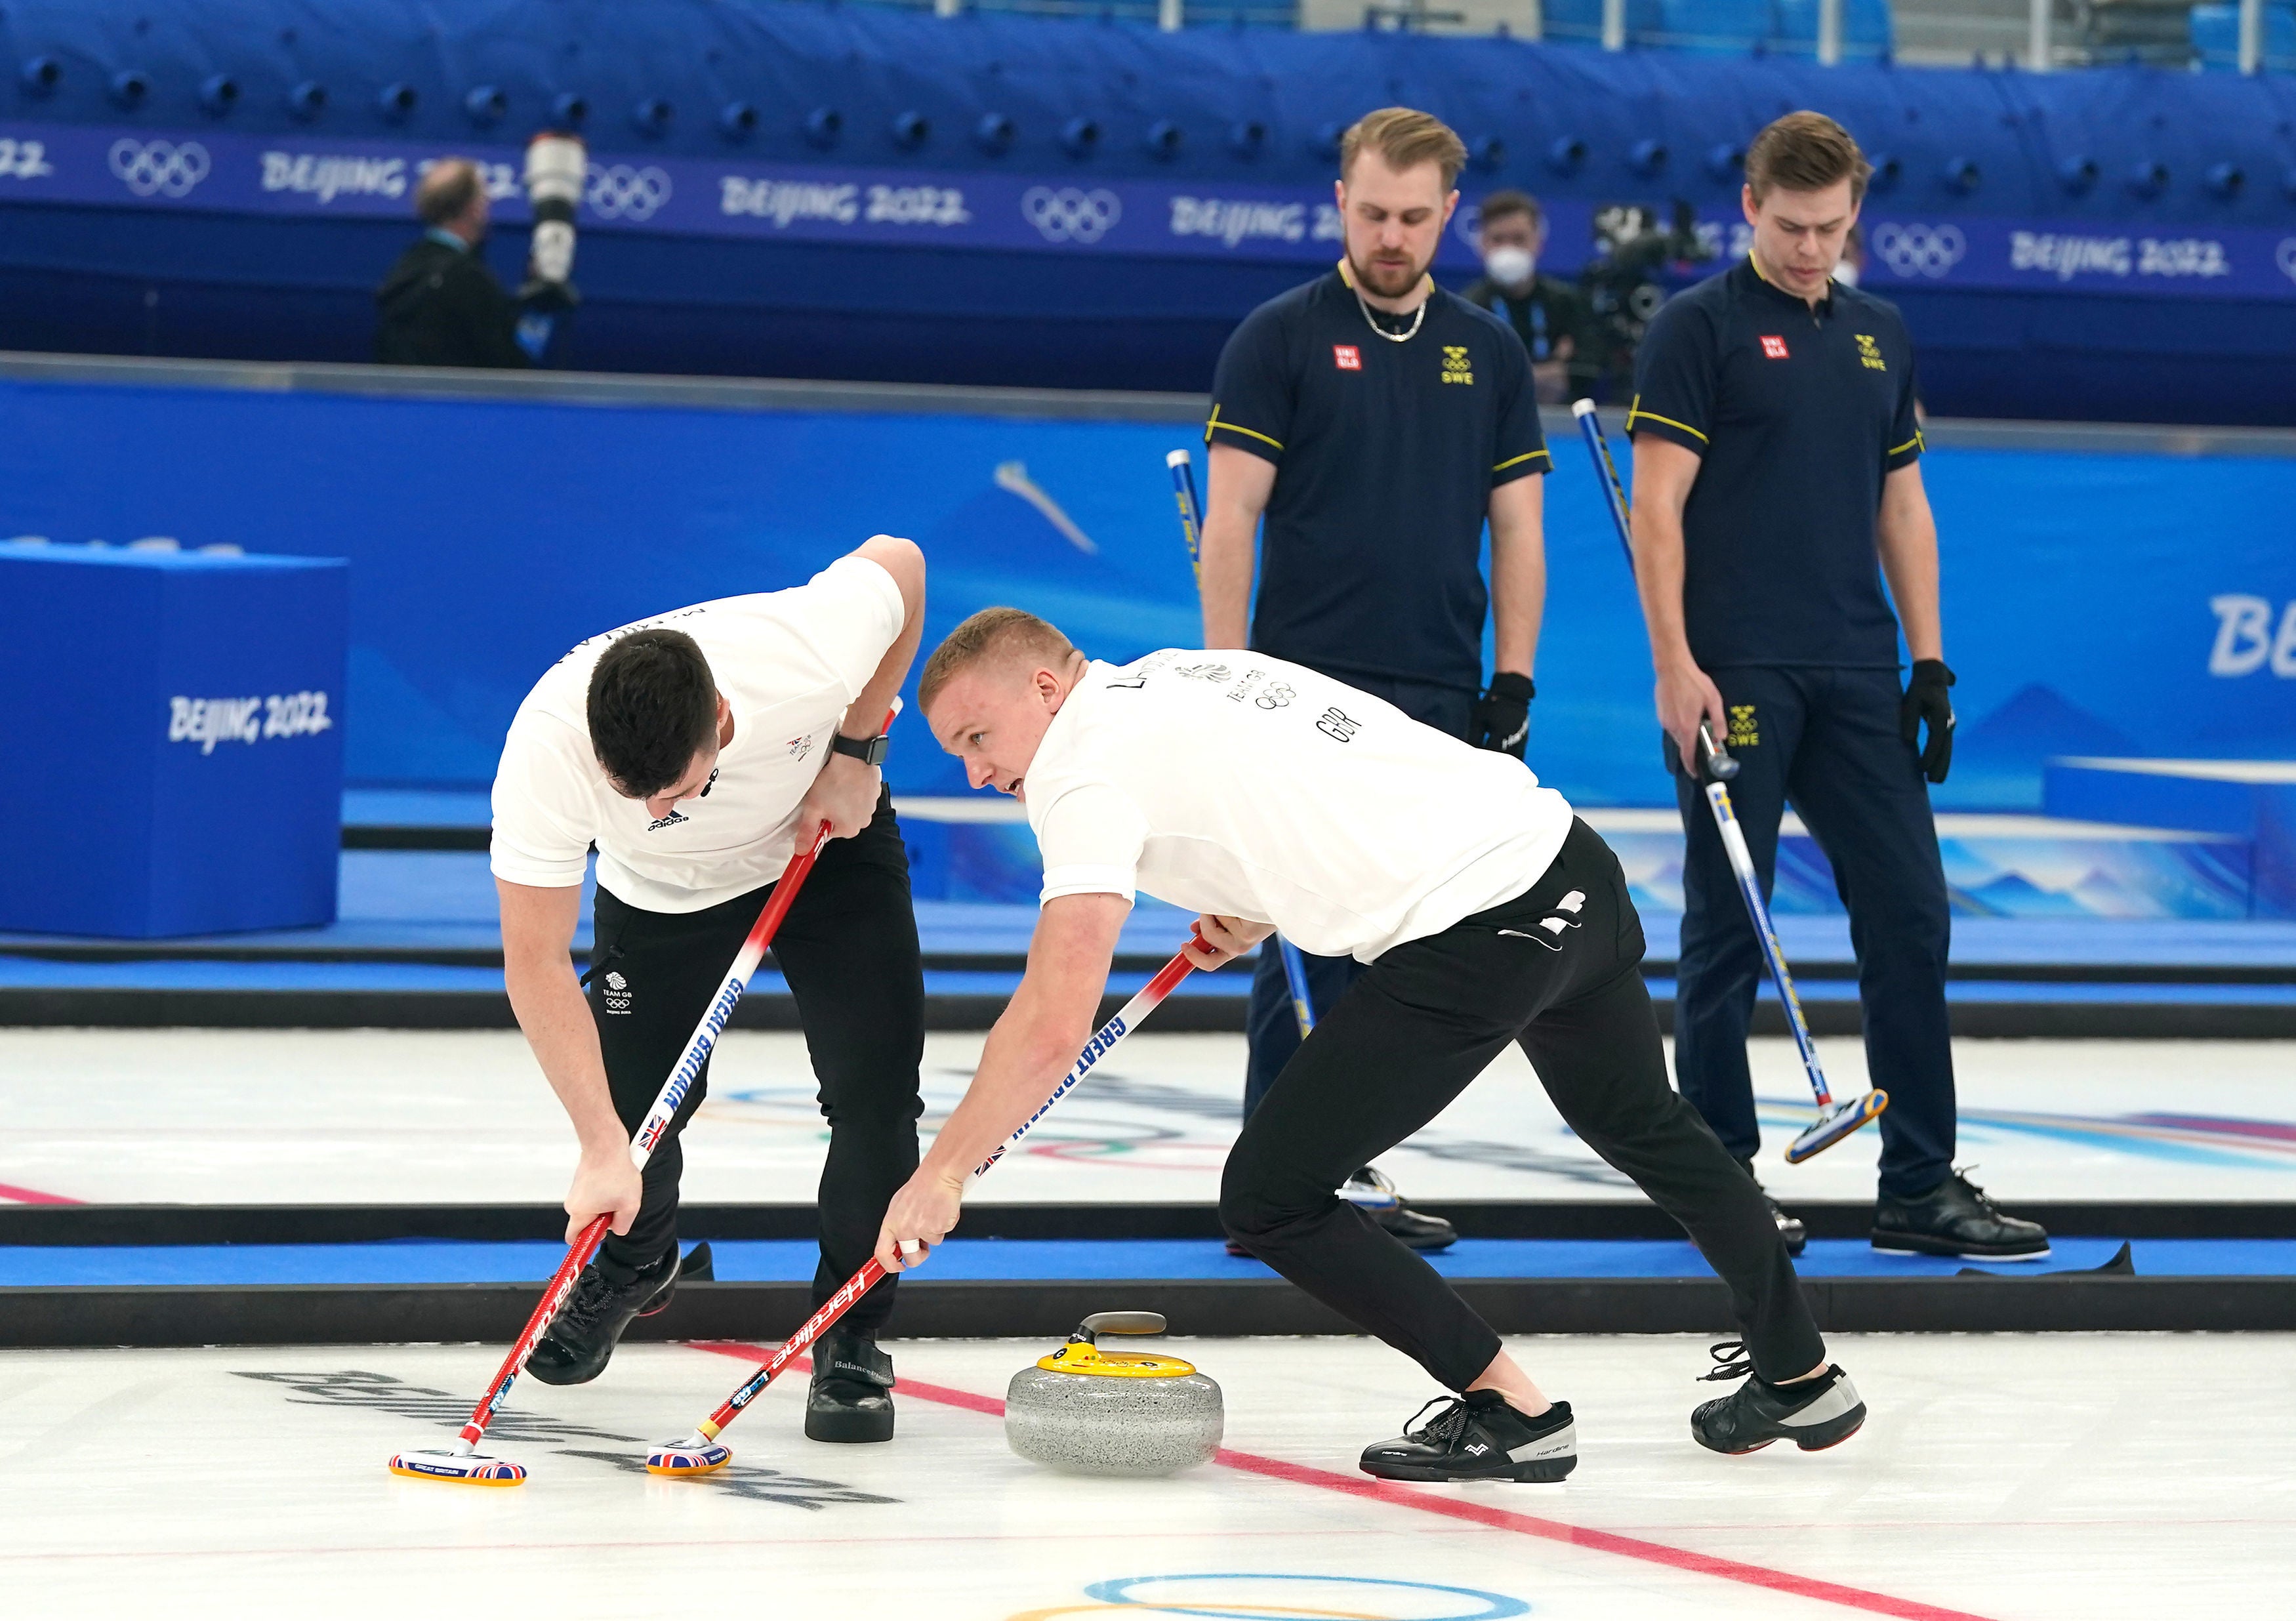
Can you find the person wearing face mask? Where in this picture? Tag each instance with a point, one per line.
(1376, 422)
(1548, 314)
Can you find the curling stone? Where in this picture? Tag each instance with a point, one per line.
(1084, 1410)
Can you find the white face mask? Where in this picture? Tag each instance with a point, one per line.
(1509, 265)
(1845, 273)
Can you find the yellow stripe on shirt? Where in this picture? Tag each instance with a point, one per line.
(1525, 456)
(1214, 425)
(1637, 410)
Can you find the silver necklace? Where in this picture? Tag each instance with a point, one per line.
(1419, 316)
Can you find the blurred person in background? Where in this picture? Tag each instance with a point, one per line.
(441, 306)
(1550, 315)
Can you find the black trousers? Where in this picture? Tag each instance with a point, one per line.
(1555, 970)
(1827, 741)
(1271, 1025)
(849, 949)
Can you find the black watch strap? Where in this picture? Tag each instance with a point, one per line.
(868, 750)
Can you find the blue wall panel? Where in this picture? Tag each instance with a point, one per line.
(2095, 604)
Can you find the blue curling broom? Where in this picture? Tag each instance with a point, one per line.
(1834, 1120)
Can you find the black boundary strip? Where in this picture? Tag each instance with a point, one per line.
(122, 1008)
(1827, 980)
(104, 1225)
(282, 1314)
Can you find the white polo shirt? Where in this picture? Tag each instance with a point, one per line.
(1238, 784)
(790, 663)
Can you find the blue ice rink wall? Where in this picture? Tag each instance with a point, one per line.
(2106, 592)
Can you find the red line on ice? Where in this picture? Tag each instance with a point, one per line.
(1502, 1519)
(32, 1196)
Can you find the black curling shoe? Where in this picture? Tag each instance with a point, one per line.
(1790, 1227)
(1956, 1218)
(582, 1337)
(1814, 1414)
(851, 1398)
(1370, 1192)
(1478, 1437)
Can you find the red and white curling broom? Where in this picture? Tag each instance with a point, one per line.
(1836, 1119)
(462, 1462)
(700, 1453)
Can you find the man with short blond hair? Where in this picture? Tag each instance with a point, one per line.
(1262, 794)
(1375, 421)
(1777, 480)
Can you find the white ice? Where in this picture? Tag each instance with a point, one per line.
(392, 1117)
(2080, 1477)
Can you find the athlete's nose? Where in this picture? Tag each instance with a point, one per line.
(977, 772)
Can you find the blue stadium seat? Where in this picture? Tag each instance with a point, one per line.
(1701, 28)
(2216, 37)
(1867, 30)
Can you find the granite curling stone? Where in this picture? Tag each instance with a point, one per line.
(1084, 1411)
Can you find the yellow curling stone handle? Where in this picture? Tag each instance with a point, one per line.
(1090, 1359)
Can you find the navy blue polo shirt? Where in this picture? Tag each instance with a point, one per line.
(1797, 414)
(1386, 453)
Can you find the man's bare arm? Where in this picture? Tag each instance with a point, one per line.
(1906, 533)
(1518, 572)
(538, 931)
(1033, 1044)
(1236, 488)
(844, 793)
(906, 563)
(1664, 472)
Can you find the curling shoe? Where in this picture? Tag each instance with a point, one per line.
(1478, 1437)
(1790, 1227)
(1814, 1414)
(851, 1398)
(1370, 1191)
(1956, 1218)
(582, 1337)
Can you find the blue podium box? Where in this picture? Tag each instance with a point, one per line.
(174, 741)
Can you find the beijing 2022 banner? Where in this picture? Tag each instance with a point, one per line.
(215, 172)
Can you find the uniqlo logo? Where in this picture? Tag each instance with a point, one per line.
(1347, 358)
(1775, 348)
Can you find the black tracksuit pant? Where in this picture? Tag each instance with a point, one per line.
(849, 949)
(1422, 1023)
(1271, 1023)
(1827, 741)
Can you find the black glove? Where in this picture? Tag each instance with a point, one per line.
(1926, 699)
(1502, 713)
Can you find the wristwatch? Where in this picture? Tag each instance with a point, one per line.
(868, 750)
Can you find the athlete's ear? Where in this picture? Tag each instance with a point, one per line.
(1450, 207)
(1746, 201)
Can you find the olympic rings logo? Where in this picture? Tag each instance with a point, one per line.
(1069, 215)
(623, 192)
(161, 168)
(2284, 255)
(1920, 250)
